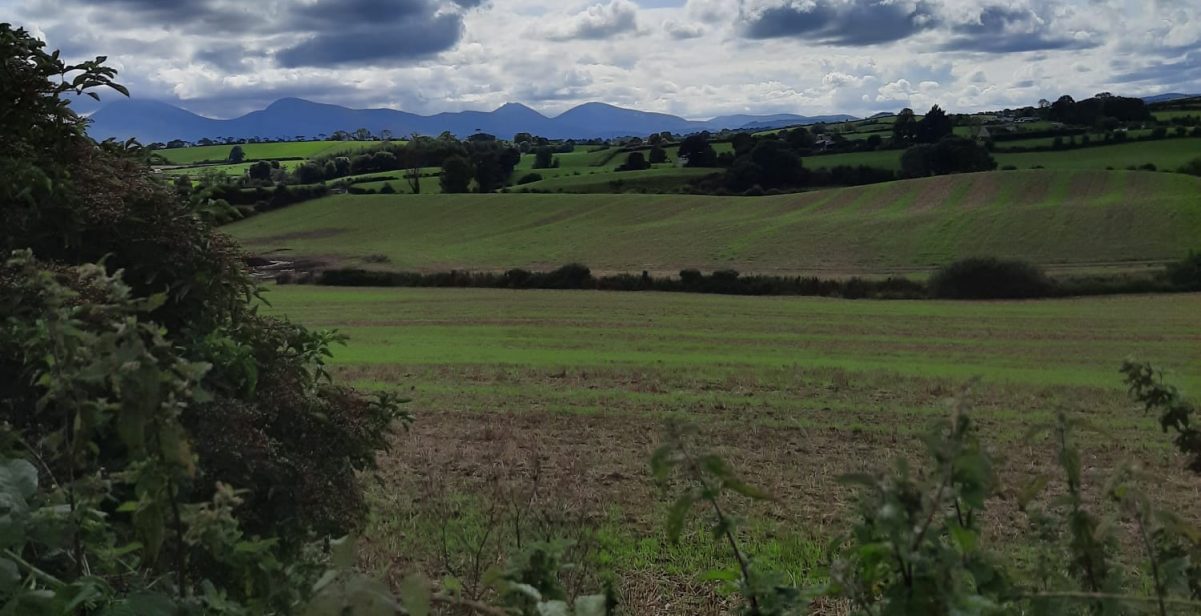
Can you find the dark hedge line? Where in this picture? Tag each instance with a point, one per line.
(577, 276)
(975, 278)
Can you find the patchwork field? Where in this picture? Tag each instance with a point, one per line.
(1077, 219)
(260, 151)
(562, 396)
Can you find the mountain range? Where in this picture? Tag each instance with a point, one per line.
(152, 121)
(1169, 97)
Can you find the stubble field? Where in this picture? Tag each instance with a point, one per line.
(556, 400)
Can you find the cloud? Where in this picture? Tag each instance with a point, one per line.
(840, 22)
(681, 30)
(999, 29)
(373, 31)
(599, 21)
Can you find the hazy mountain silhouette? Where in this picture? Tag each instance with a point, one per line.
(151, 121)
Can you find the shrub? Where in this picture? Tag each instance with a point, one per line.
(1193, 167)
(570, 276)
(529, 178)
(989, 278)
(1186, 273)
(1148, 167)
(148, 383)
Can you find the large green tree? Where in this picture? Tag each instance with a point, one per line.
(153, 422)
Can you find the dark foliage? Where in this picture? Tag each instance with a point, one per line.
(989, 278)
(1186, 273)
(636, 161)
(72, 203)
(698, 151)
(950, 155)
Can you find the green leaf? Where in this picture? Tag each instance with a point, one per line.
(452, 585)
(10, 576)
(676, 516)
(553, 608)
(1031, 490)
(415, 595)
(590, 605)
(18, 478)
(342, 552)
(746, 489)
(661, 463)
(144, 604)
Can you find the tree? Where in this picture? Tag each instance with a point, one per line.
(456, 175)
(362, 134)
(386, 134)
(904, 129)
(310, 173)
(742, 143)
(697, 151)
(950, 155)
(936, 125)
(778, 164)
(636, 161)
(493, 163)
(236, 155)
(259, 171)
(543, 157)
(657, 155)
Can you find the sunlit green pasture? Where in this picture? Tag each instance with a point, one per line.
(261, 151)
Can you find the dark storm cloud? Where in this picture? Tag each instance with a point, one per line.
(1185, 72)
(373, 31)
(405, 40)
(859, 22)
(1006, 30)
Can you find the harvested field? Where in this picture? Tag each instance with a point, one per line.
(564, 395)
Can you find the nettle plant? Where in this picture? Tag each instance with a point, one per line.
(916, 545)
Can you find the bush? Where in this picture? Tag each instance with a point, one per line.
(1193, 167)
(134, 363)
(570, 276)
(1186, 273)
(990, 278)
(529, 178)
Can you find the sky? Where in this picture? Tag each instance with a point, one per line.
(693, 58)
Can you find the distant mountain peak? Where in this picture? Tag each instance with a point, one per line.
(288, 118)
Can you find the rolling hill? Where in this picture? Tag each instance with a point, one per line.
(1074, 219)
(151, 121)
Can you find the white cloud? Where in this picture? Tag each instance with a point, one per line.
(221, 57)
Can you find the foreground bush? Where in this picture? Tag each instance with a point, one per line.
(990, 278)
(916, 543)
(164, 449)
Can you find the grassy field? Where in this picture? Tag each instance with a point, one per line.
(1077, 219)
(261, 151)
(1168, 154)
(564, 395)
(1168, 116)
(662, 178)
(234, 169)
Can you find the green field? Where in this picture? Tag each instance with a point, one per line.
(261, 151)
(794, 392)
(1166, 154)
(883, 159)
(234, 169)
(1085, 218)
(1168, 116)
(662, 178)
